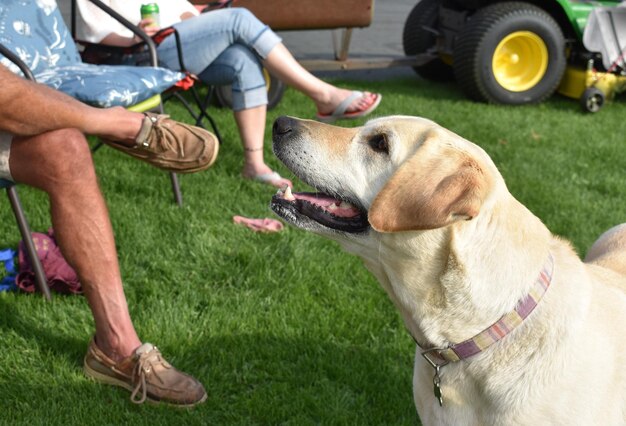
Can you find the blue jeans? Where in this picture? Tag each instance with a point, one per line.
(224, 47)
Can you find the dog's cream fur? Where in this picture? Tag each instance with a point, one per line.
(455, 251)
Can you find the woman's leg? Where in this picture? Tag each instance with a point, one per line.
(207, 36)
(213, 50)
(281, 63)
(238, 67)
(212, 45)
(249, 122)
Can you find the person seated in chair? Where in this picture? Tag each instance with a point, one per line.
(42, 144)
(227, 46)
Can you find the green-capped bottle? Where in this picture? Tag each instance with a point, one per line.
(151, 11)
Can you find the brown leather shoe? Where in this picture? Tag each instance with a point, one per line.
(171, 145)
(147, 375)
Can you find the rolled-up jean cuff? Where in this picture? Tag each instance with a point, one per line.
(5, 153)
(249, 99)
(265, 42)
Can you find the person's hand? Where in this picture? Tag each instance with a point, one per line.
(149, 26)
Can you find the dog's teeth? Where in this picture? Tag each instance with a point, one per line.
(287, 195)
(333, 207)
(345, 205)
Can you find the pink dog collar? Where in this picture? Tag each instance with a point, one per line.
(438, 357)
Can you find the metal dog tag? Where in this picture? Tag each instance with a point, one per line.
(437, 387)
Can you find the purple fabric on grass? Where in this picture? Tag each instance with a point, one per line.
(60, 276)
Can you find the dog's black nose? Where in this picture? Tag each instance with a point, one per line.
(282, 126)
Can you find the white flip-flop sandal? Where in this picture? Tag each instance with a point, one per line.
(340, 111)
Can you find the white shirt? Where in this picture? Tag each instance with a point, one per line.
(93, 24)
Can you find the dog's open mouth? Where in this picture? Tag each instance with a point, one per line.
(321, 208)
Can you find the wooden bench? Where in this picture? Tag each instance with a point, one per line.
(308, 14)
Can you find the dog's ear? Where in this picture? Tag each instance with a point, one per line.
(436, 186)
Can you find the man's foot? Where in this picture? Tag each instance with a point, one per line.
(147, 375)
(353, 104)
(171, 145)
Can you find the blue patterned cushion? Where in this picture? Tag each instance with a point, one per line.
(109, 85)
(35, 31)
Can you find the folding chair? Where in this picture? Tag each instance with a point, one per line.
(114, 55)
(36, 33)
(16, 205)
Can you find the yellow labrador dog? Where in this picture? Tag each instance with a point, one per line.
(511, 327)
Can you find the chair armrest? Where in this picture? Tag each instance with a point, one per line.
(17, 61)
(166, 32)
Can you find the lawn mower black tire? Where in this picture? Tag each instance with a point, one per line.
(417, 39)
(510, 53)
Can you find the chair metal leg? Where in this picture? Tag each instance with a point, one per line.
(178, 196)
(27, 237)
(203, 106)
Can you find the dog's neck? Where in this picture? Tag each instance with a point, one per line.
(452, 283)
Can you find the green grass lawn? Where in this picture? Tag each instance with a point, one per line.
(282, 328)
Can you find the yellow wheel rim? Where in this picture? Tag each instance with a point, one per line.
(520, 61)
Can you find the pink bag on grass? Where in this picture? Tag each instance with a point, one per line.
(59, 274)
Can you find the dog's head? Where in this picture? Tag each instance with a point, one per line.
(393, 174)
(426, 210)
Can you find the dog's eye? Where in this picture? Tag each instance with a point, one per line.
(379, 143)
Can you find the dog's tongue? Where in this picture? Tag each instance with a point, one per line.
(327, 203)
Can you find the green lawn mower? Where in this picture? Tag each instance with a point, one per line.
(511, 52)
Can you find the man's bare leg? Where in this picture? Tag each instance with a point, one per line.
(60, 164)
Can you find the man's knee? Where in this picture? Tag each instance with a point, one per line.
(58, 156)
(71, 156)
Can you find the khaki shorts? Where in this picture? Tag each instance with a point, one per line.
(5, 152)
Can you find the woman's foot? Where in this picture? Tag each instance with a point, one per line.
(347, 104)
(265, 175)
